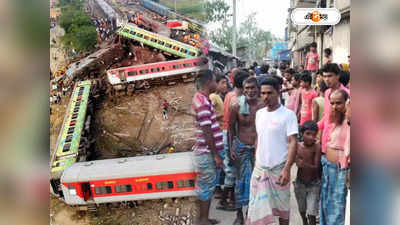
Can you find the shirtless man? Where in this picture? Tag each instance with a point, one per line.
(242, 132)
(308, 182)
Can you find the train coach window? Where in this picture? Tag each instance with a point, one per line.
(69, 138)
(66, 147)
(154, 40)
(176, 66)
(154, 70)
(70, 130)
(132, 32)
(146, 37)
(164, 185)
(168, 45)
(185, 183)
(126, 30)
(184, 51)
(132, 73)
(140, 35)
(149, 186)
(144, 71)
(198, 63)
(192, 53)
(161, 42)
(187, 65)
(102, 190)
(123, 188)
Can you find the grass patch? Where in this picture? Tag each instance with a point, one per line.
(190, 8)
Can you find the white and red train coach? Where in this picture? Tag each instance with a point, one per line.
(129, 179)
(156, 70)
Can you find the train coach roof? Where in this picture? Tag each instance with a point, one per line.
(129, 167)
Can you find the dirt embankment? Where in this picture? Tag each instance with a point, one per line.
(133, 125)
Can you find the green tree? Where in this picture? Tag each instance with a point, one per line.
(216, 10)
(80, 32)
(257, 41)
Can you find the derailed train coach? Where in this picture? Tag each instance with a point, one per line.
(116, 19)
(129, 179)
(73, 141)
(155, 7)
(186, 68)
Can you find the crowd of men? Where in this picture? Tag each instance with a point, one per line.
(248, 138)
(104, 28)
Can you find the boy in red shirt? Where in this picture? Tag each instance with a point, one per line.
(307, 96)
(312, 61)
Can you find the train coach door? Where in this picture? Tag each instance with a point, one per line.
(87, 193)
(122, 76)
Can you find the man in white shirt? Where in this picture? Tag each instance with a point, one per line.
(276, 142)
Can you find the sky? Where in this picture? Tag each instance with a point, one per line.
(271, 14)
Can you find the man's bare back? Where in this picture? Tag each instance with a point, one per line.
(308, 160)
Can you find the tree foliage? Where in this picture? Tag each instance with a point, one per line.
(255, 40)
(80, 32)
(216, 10)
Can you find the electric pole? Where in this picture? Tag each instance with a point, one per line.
(234, 29)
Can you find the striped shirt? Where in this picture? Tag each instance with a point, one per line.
(205, 115)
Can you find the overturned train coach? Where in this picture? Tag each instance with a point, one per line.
(185, 68)
(73, 141)
(129, 179)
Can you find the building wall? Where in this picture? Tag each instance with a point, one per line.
(341, 40)
(341, 4)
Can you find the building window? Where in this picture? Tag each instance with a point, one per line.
(185, 183)
(102, 190)
(123, 188)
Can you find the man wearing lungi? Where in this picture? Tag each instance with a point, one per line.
(208, 147)
(276, 142)
(334, 163)
(242, 133)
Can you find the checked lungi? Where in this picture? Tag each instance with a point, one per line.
(268, 199)
(333, 193)
(244, 165)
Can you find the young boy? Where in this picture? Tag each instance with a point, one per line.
(287, 77)
(318, 102)
(312, 60)
(327, 55)
(308, 180)
(307, 96)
